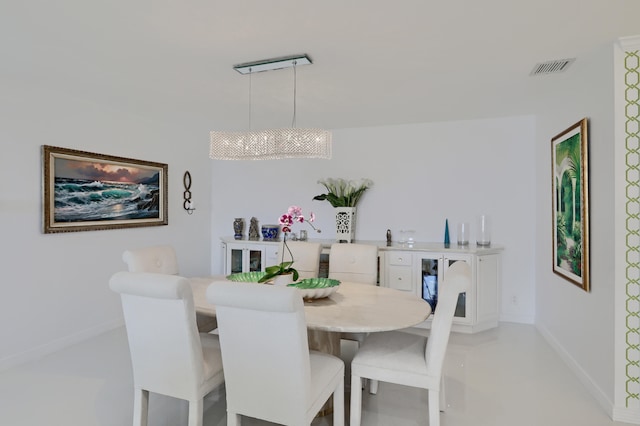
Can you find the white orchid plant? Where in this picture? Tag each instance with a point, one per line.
(342, 192)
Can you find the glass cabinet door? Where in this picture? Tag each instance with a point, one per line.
(433, 272)
(255, 260)
(430, 281)
(236, 260)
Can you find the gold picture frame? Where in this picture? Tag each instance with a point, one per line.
(85, 191)
(570, 204)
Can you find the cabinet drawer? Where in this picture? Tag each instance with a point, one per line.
(400, 278)
(399, 258)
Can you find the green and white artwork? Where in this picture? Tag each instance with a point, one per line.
(571, 204)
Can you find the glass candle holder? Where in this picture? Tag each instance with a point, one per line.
(484, 231)
(463, 234)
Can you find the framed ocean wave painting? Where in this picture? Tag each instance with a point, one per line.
(84, 191)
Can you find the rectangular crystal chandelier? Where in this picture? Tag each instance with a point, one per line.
(271, 144)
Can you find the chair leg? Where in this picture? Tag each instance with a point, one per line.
(233, 419)
(196, 409)
(356, 400)
(140, 407)
(373, 387)
(434, 407)
(338, 404)
(443, 397)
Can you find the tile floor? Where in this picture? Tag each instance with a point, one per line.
(504, 377)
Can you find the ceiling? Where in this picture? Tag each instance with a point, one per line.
(375, 62)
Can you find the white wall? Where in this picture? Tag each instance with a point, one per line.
(580, 324)
(55, 286)
(422, 173)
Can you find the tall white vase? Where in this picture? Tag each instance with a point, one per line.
(345, 224)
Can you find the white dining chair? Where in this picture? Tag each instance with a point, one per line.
(168, 354)
(270, 374)
(159, 259)
(356, 263)
(305, 256)
(162, 259)
(408, 359)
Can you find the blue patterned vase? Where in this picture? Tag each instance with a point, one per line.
(270, 232)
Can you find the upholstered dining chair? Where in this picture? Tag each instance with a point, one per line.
(408, 359)
(270, 374)
(354, 262)
(168, 354)
(159, 259)
(162, 259)
(306, 257)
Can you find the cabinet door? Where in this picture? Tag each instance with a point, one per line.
(272, 255)
(433, 269)
(488, 279)
(235, 260)
(254, 259)
(464, 308)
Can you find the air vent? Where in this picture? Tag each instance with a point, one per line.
(552, 67)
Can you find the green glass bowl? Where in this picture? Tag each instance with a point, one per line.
(316, 288)
(309, 283)
(246, 277)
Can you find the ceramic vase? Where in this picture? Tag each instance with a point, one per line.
(447, 240)
(238, 228)
(270, 232)
(345, 224)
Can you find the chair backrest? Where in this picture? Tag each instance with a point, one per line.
(166, 352)
(265, 352)
(306, 257)
(354, 262)
(457, 280)
(156, 259)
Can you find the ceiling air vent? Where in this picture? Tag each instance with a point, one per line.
(552, 67)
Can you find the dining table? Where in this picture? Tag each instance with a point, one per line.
(353, 308)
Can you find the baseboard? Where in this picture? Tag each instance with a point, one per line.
(627, 415)
(582, 375)
(56, 345)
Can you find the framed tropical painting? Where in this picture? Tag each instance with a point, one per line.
(84, 191)
(570, 212)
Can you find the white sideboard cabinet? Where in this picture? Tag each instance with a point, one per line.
(423, 268)
(419, 269)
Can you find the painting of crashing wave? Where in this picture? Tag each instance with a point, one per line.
(85, 191)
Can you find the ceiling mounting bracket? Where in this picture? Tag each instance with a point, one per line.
(273, 64)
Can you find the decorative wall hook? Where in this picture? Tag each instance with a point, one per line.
(187, 204)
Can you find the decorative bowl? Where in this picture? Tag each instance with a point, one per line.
(316, 288)
(270, 232)
(246, 277)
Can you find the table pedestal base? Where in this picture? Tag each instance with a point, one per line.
(324, 341)
(329, 343)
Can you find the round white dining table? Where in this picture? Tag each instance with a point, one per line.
(354, 308)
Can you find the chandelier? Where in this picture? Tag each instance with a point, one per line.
(271, 144)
